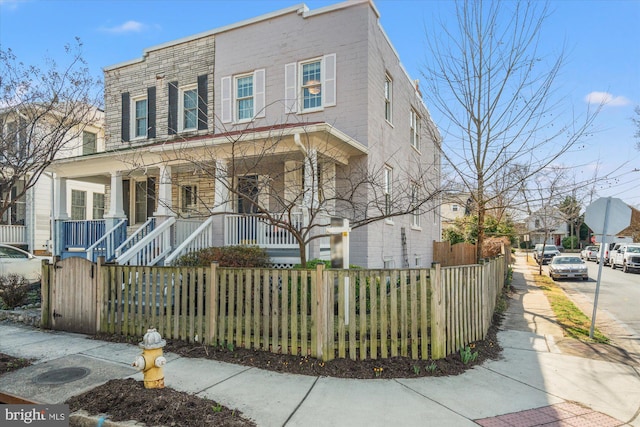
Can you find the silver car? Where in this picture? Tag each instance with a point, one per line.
(568, 267)
(22, 263)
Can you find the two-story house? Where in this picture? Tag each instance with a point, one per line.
(549, 222)
(26, 222)
(292, 117)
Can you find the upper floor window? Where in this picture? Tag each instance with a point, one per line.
(454, 208)
(244, 98)
(414, 124)
(140, 117)
(310, 85)
(89, 143)
(388, 90)
(189, 108)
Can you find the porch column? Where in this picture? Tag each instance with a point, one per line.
(311, 180)
(59, 213)
(116, 210)
(221, 201)
(165, 205)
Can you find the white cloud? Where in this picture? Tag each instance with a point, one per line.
(127, 27)
(607, 99)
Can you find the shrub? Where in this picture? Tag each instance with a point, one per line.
(13, 290)
(570, 242)
(313, 263)
(226, 256)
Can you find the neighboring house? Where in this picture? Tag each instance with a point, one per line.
(186, 122)
(549, 222)
(27, 223)
(454, 205)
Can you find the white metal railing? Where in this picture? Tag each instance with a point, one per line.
(152, 248)
(201, 238)
(13, 234)
(106, 245)
(136, 236)
(256, 230)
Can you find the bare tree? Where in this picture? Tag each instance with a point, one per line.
(41, 110)
(294, 183)
(497, 95)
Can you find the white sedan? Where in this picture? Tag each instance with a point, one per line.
(17, 261)
(568, 267)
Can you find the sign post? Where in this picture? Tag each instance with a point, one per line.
(606, 217)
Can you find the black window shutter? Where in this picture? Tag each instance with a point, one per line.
(151, 101)
(202, 102)
(126, 117)
(173, 108)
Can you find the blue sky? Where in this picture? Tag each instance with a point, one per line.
(602, 42)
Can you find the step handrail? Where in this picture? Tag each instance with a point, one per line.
(184, 247)
(141, 245)
(136, 236)
(109, 237)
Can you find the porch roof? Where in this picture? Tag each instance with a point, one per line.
(321, 136)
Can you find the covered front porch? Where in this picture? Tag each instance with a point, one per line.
(165, 201)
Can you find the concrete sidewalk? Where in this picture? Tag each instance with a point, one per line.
(535, 382)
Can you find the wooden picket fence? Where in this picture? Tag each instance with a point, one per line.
(323, 313)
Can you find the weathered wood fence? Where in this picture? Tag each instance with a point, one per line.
(324, 313)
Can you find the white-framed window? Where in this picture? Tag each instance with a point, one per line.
(78, 205)
(387, 188)
(414, 125)
(89, 143)
(415, 200)
(98, 205)
(388, 92)
(188, 108)
(189, 197)
(454, 207)
(140, 119)
(17, 212)
(244, 97)
(310, 85)
(11, 135)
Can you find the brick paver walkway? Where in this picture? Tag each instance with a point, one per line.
(565, 414)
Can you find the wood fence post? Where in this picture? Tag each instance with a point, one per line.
(99, 293)
(211, 324)
(321, 313)
(438, 335)
(45, 289)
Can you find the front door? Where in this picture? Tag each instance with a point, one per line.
(139, 199)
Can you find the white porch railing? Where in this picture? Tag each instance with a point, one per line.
(106, 245)
(201, 238)
(152, 248)
(13, 234)
(185, 228)
(241, 229)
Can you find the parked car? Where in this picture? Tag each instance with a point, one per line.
(626, 256)
(17, 261)
(607, 250)
(590, 253)
(550, 251)
(568, 267)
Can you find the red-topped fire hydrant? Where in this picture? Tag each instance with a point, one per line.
(151, 361)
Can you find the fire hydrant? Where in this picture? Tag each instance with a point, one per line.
(151, 361)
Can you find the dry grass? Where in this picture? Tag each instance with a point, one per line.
(572, 320)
